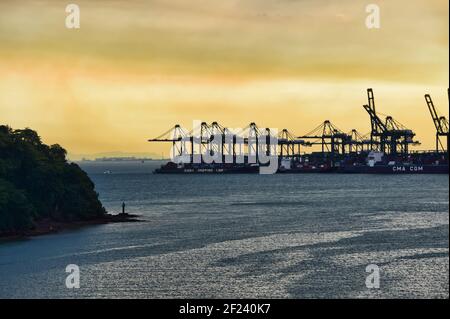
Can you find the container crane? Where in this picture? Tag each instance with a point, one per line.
(440, 123)
(387, 136)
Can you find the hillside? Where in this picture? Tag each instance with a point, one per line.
(38, 184)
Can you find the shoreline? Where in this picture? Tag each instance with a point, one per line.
(47, 226)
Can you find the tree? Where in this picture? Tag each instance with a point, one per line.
(37, 182)
(16, 212)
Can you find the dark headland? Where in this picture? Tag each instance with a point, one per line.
(41, 192)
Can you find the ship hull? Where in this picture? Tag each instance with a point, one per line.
(396, 169)
(308, 170)
(358, 169)
(214, 170)
(238, 170)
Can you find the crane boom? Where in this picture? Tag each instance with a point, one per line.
(434, 115)
(377, 124)
(440, 122)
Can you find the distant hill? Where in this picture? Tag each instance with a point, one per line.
(37, 183)
(79, 157)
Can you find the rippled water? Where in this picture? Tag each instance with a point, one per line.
(231, 236)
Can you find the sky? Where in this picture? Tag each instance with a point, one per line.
(136, 68)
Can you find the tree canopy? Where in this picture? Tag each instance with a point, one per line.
(37, 182)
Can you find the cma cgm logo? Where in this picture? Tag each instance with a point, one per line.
(410, 168)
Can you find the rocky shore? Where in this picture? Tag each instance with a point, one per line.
(48, 226)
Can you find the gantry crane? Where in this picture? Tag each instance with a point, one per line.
(287, 142)
(331, 139)
(357, 142)
(389, 136)
(177, 136)
(440, 122)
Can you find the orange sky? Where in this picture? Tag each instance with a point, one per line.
(136, 68)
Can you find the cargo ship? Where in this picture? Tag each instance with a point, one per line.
(370, 163)
(416, 163)
(173, 168)
(181, 168)
(396, 169)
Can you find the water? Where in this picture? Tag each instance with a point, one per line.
(233, 236)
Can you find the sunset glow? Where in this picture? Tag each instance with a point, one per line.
(136, 68)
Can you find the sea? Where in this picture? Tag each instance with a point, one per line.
(244, 236)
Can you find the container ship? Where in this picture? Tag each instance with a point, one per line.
(375, 163)
(386, 149)
(415, 163)
(180, 168)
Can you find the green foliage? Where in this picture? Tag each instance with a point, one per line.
(36, 182)
(15, 210)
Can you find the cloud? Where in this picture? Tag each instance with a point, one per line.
(137, 67)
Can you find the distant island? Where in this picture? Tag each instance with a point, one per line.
(40, 191)
(114, 155)
(122, 159)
